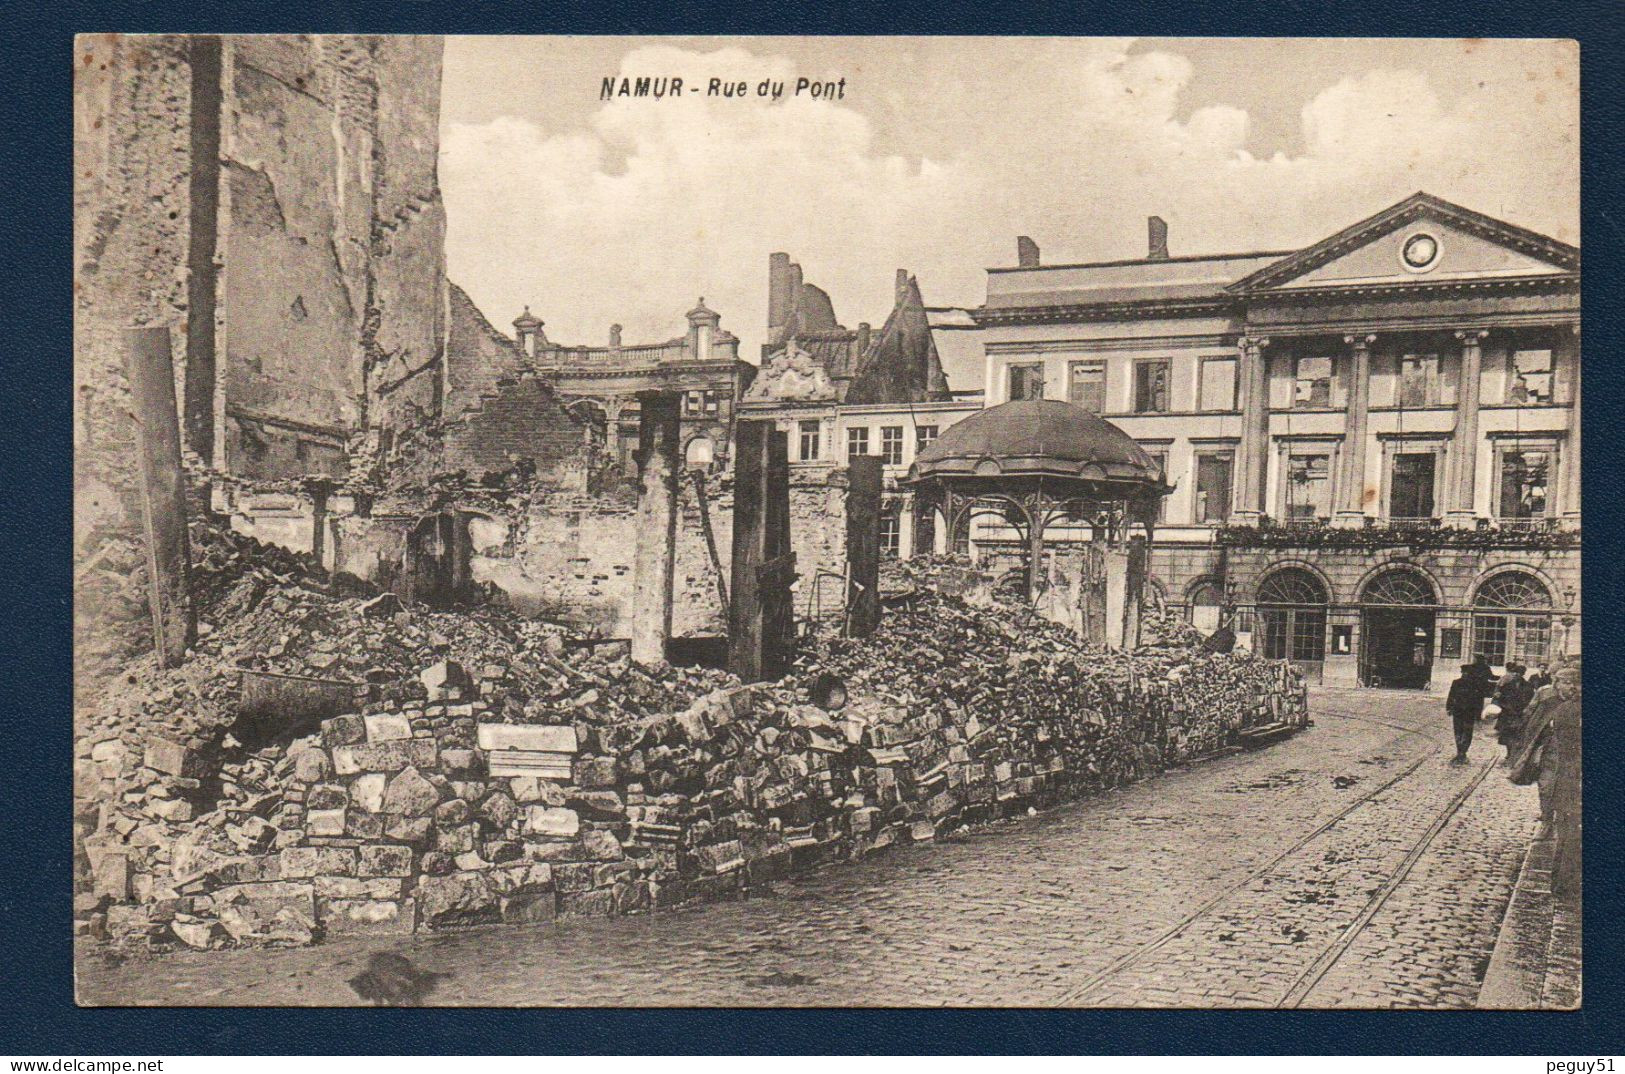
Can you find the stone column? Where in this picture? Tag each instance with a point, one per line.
(1464, 445)
(1252, 462)
(1569, 495)
(659, 452)
(1351, 482)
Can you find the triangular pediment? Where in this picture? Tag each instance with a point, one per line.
(1421, 240)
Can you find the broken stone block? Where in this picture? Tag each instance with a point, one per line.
(201, 933)
(445, 681)
(452, 813)
(459, 898)
(595, 772)
(459, 840)
(460, 761)
(382, 606)
(278, 912)
(600, 845)
(170, 757)
(110, 874)
(499, 809)
(349, 887)
(530, 789)
(361, 825)
(311, 766)
(318, 861)
(413, 831)
(343, 731)
(526, 737)
(384, 756)
(367, 917)
(385, 861)
(327, 796)
(720, 857)
(410, 794)
(175, 810)
(387, 727)
(367, 792)
(549, 821)
(325, 822)
(528, 908)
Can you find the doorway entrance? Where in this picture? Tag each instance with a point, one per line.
(1398, 647)
(1397, 624)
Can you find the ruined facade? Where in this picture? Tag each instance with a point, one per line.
(273, 202)
(839, 392)
(601, 384)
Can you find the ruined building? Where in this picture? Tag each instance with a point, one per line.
(601, 384)
(273, 203)
(839, 392)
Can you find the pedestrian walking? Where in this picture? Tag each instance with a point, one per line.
(1541, 676)
(1466, 703)
(1512, 697)
(1550, 758)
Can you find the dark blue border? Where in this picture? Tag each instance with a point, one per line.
(37, 1001)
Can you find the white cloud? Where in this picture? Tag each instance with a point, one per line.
(705, 189)
(654, 203)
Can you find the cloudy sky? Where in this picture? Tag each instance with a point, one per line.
(945, 149)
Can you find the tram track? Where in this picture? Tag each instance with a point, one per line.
(1306, 981)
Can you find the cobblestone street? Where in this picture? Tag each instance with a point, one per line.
(1350, 865)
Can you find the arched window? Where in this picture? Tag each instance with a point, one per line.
(1401, 587)
(1205, 604)
(700, 454)
(1292, 616)
(1512, 619)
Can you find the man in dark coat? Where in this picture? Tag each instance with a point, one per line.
(1550, 756)
(1513, 697)
(1466, 704)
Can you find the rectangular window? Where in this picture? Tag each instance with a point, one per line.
(712, 402)
(891, 529)
(1027, 381)
(811, 441)
(857, 442)
(891, 444)
(1524, 479)
(1151, 387)
(1218, 389)
(1312, 383)
(693, 402)
(923, 436)
(1410, 486)
(1213, 487)
(1419, 380)
(1529, 377)
(1309, 486)
(1086, 386)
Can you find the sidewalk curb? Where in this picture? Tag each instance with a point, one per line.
(1528, 948)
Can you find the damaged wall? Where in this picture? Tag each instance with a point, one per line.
(333, 246)
(273, 201)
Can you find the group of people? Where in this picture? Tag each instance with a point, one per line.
(1538, 721)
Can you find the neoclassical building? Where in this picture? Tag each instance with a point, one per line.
(1374, 441)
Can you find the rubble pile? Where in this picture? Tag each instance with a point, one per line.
(438, 770)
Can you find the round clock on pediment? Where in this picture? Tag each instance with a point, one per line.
(1420, 252)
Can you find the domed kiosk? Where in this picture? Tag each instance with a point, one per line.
(1033, 462)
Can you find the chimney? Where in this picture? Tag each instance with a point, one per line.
(862, 343)
(1026, 252)
(900, 291)
(1156, 238)
(778, 291)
